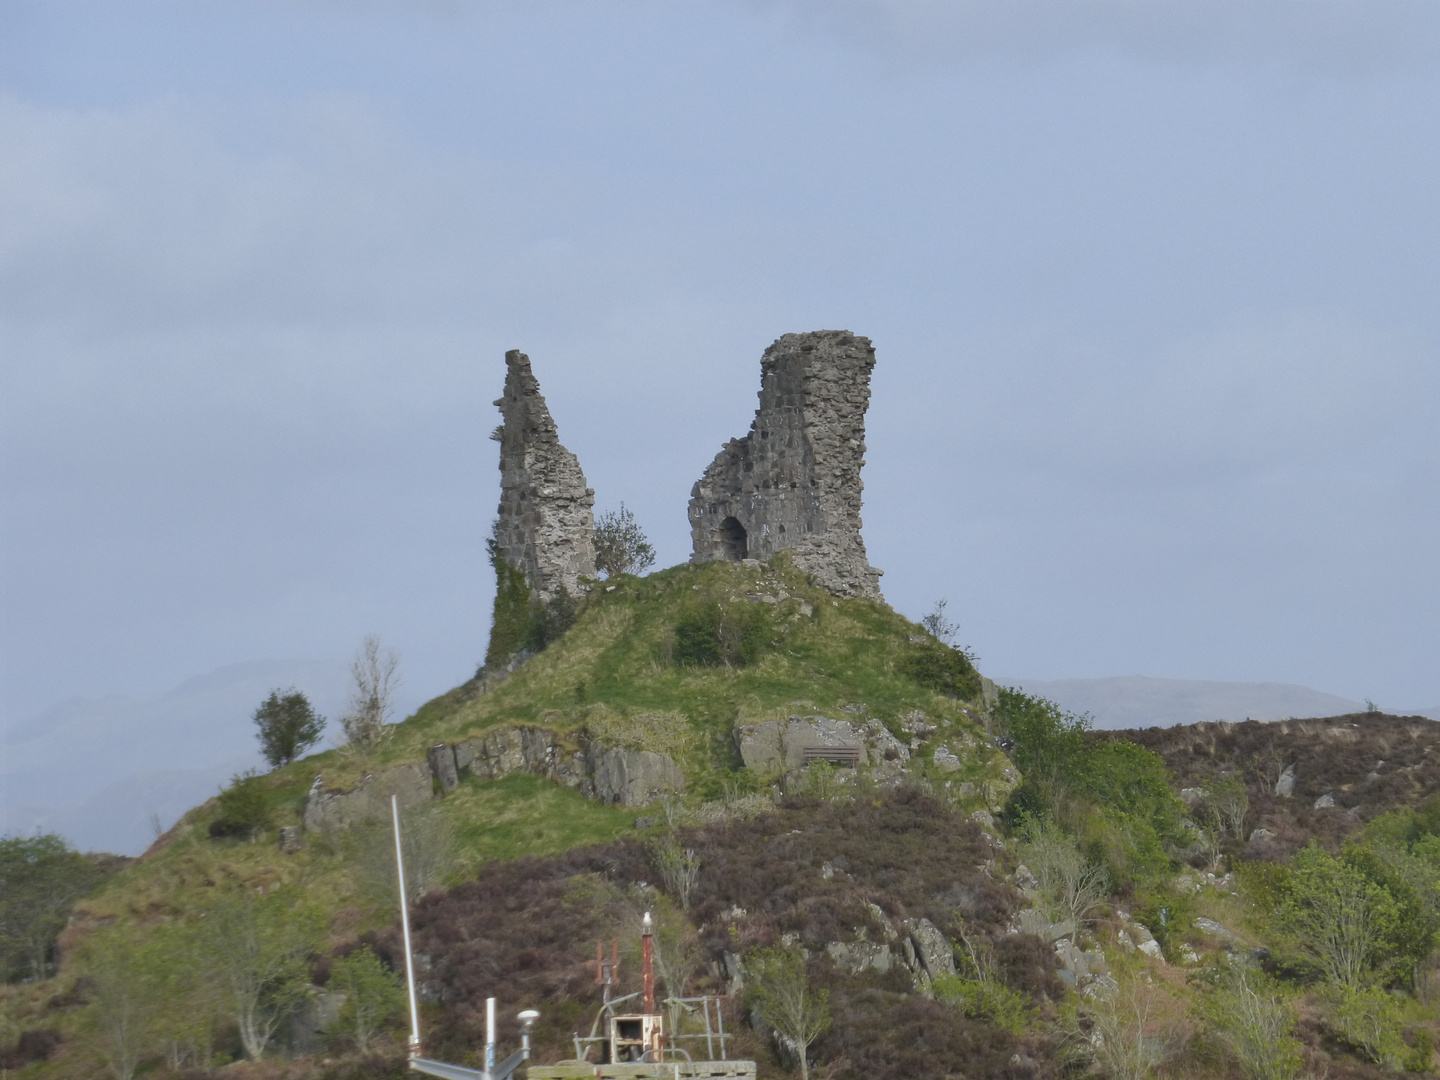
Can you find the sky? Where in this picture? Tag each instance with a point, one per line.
(1151, 286)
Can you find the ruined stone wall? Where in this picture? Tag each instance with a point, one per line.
(794, 481)
(546, 518)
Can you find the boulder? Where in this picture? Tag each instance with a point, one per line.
(442, 766)
(932, 949)
(292, 839)
(1285, 784)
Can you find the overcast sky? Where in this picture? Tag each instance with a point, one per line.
(1152, 285)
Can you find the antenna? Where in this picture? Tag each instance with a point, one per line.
(405, 930)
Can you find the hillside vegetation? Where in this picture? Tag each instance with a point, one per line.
(1226, 901)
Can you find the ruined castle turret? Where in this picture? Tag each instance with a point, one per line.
(546, 520)
(794, 481)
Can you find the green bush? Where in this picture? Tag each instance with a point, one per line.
(989, 1000)
(711, 635)
(938, 667)
(244, 808)
(1368, 1018)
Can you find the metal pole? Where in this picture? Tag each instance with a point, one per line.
(647, 970)
(405, 929)
(709, 1043)
(489, 1035)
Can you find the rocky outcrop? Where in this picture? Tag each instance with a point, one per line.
(780, 745)
(546, 519)
(611, 774)
(632, 777)
(369, 800)
(793, 483)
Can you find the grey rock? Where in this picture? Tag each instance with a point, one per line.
(775, 745)
(327, 811)
(634, 777)
(858, 956)
(945, 760)
(311, 1023)
(1192, 795)
(546, 519)
(1324, 802)
(292, 839)
(983, 819)
(1285, 784)
(1025, 879)
(1261, 834)
(1214, 929)
(442, 766)
(793, 483)
(646, 822)
(932, 950)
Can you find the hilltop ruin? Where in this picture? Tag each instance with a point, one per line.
(546, 521)
(793, 483)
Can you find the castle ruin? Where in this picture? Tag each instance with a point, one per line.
(546, 519)
(793, 483)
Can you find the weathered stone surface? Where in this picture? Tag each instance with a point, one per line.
(546, 519)
(1285, 784)
(793, 483)
(442, 766)
(633, 777)
(778, 745)
(932, 950)
(858, 956)
(327, 811)
(312, 1022)
(1324, 802)
(292, 839)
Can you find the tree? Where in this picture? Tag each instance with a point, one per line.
(373, 994)
(679, 867)
(780, 989)
(40, 880)
(938, 626)
(288, 726)
(1250, 1018)
(1229, 802)
(1335, 917)
(620, 545)
(372, 694)
(1126, 1035)
(259, 948)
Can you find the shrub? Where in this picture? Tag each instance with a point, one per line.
(1335, 918)
(936, 666)
(244, 807)
(372, 991)
(511, 616)
(36, 1044)
(1367, 1018)
(778, 986)
(620, 544)
(1249, 1017)
(711, 635)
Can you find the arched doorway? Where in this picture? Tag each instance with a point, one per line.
(733, 541)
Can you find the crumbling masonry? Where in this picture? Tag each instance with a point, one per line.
(794, 481)
(546, 518)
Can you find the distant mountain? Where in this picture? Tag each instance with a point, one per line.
(1136, 701)
(95, 770)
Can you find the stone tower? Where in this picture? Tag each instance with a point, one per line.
(546, 520)
(794, 481)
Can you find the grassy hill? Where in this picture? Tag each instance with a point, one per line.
(672, 662)
(1154, 903)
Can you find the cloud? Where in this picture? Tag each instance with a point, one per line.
(1335, 37)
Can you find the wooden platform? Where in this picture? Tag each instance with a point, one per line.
(670, 1070)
